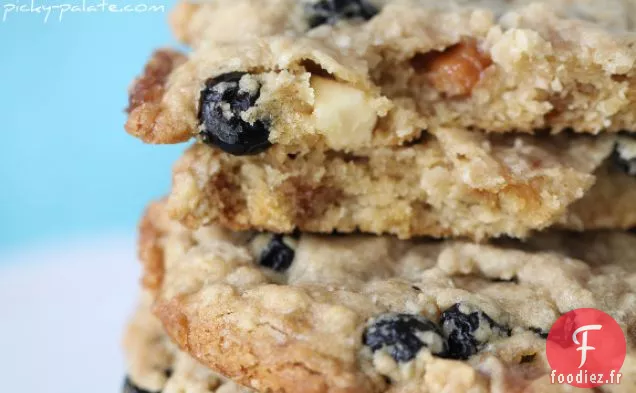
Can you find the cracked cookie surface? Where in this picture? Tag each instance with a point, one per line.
(376, 314)
(496, 65)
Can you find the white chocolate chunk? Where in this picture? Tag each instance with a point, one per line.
(343, 114)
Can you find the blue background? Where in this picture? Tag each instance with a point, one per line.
(67, 167)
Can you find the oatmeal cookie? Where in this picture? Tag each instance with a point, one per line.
(496, 65)
(452, 183)
(307, 313)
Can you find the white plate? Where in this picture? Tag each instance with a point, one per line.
(63, 308)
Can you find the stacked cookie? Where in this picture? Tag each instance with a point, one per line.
(397, 196)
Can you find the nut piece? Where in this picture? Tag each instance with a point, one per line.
(343, 114)
(455, 71)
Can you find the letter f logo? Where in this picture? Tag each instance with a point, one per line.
(583, 344)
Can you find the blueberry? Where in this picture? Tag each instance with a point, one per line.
(223, 100)
(624, 161)
(403, 335)
(129, 387)
(539, 332)
(467, 329)
(275, 251)
(331, 11)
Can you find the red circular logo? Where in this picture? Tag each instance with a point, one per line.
(586, 348)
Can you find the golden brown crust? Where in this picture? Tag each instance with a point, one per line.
(169, 312)
(284, 367)
(149, 87)
(145, 118)
(155, 364)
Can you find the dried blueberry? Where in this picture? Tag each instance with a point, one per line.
(222, 102)
(403, 335)
(539, 332)
(624, 159)
(275, 251)
(331, 11)
(130, 387)
(468, 329)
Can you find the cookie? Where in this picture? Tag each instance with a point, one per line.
(280, 173)
(194, 22)
(496, 65)
(155, 365)
(308, 313)
(452, 183)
